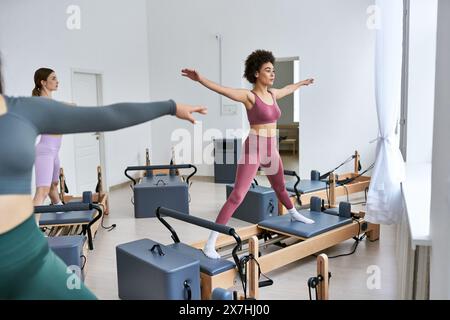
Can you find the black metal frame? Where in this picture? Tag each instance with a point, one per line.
(205, 224)
(160, 167)
(294, 174)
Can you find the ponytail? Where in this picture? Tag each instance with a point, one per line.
(36, 92)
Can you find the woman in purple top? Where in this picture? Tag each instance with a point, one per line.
(47, 158)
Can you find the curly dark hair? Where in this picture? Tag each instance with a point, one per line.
(254, 62)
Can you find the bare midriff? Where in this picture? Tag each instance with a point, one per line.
(14, 209)
(265, 130)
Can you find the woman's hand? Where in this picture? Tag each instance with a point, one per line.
(191, 74)
(307, 82)
(184, 111)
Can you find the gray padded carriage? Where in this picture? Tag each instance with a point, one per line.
(322, 222)
(306, 186)
(69, 217)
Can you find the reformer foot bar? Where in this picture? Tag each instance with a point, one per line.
(212, 271)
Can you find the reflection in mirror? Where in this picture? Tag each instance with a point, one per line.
(287, 72)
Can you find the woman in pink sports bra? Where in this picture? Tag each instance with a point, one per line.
(260, 147)
(47, 158)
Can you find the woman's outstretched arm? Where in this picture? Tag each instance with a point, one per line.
(52, 117)
(239, 95)
(287, 90)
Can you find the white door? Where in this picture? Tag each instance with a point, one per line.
(86, 92)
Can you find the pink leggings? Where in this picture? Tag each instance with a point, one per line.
(258, 151)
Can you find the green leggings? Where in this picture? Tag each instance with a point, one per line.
(30, 270)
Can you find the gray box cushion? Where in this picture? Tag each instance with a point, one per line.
(207, 265)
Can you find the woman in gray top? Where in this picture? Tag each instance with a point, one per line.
(28, 269)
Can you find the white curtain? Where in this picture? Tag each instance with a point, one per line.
(384, 202)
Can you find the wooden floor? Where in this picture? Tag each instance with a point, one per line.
(350, 274)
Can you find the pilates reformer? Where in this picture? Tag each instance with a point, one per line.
(83, 213)
(221, 273)
(60, 221)
(59, 224)
(327, 186)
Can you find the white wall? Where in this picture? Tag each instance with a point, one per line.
(112, 39)
(422, 58)
(440, 188)
(330, 37)
(337, 114)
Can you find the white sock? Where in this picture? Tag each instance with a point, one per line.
(210, 247)
(295, 215)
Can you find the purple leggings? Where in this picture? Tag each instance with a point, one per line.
(258, 151)
(47, 160)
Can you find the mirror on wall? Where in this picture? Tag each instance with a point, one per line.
(287, 72)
